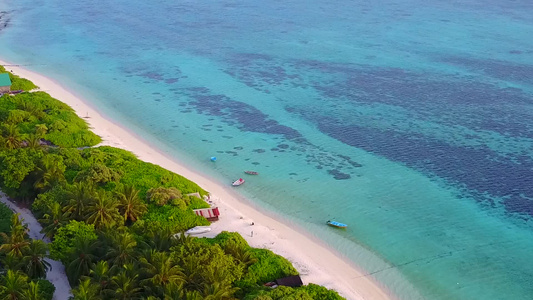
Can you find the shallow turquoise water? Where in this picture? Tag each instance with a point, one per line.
(409, 121)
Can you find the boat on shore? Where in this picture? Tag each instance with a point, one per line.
(238, 182)
(198, 230)
(336, 224)
(251, 172)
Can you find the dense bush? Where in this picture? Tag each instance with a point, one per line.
(46, 289)
(268, 267)
(172, 218)
(38, 113)
(65, 239)
(5, 218)
(162, 195)
(141, 174)
(308, 292)
(226, 237)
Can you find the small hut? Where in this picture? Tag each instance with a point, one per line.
(5, 83)
(292, 281)
(211, 214)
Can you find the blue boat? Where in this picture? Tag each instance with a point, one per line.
(336, 224)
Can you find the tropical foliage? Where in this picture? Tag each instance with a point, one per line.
(115, 222)
(5, 218)
(23, 265)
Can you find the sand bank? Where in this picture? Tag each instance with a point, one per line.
(315, 261)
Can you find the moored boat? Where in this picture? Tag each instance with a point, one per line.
(238, 182)
(251, 172)
(336, 224)
(198, 230)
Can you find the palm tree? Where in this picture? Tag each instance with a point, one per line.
(54, 219)
(33, 292)
(81, 260)
(174, 292)
(33, 108)
(218, 291)
(122, 250)
(14, 283)
(102, 211)
(183, 239)
(13, 138)
(12, 262)
(34, 259)
(79, 195)
(34, 142)
(40, 130)
(50, 171)
(126, 287)
(86, 291)
(16, 242)
(161, 269)
(131, 269)
(131, 206)
(160, 238)
(240, 253)
(192, 295)
(100, 274)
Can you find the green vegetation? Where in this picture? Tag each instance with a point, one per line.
(37, 115)
(18, 83)
(5, 218)
(22, 265)
(309, 292)
(115, 222)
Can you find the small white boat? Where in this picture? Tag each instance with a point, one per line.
(238, 182)
(336, 224)
(198, 230)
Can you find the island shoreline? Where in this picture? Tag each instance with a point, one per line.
(317, 262)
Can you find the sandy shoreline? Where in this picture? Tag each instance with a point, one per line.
(314, 260)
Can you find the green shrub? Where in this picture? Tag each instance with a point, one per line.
(63, 245)
(5, 218)
(173, 218)
(46, 289)
(15, 165)
(57, 194)
(269, 267)
(320, 292)
(308, 292)
(206, 264)
(143, 175)
(227, 237)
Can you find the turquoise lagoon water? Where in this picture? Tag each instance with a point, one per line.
(409, 120)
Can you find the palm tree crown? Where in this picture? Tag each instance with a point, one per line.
(15, 243)
(34, 259)
(131, 206)
(13, 284)
(102, 211)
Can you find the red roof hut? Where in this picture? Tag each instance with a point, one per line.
(211, 214)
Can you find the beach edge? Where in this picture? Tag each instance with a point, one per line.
(317, 262)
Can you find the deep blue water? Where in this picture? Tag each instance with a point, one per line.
(411, 121)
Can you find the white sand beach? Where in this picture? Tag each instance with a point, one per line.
(316, 262)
